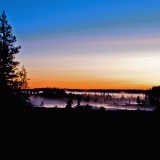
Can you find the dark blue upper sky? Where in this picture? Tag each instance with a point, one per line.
(58, 17)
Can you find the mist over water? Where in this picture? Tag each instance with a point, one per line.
(119, 101)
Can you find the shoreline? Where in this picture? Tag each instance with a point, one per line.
(113, 108)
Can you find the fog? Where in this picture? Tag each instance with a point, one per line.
(118, 101)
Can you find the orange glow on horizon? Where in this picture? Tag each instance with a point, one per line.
(86, 84)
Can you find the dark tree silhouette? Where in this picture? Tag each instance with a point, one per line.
(69, 104)
(154, 95)
(21, 81)
(122, 97)
(79, 102)
(102, 108)
(7, 55)
(154, 91)
(88, 98)
(138, 100)
(53, 93)
(87, 107)
(9, 77)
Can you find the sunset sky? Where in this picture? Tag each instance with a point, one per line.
(105, 44)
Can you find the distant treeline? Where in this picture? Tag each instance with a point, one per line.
(89, 90)
(53, 92)
(154, 91)
(154, 95)
(108, 90)
(85, 95)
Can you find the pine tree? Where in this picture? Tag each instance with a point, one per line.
(138, 100)
(9, 76)
(7, 55)
(21, 81)
(69, 104)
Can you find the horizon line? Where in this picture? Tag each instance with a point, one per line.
(86, 89)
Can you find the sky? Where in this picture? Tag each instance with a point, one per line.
(87, 44)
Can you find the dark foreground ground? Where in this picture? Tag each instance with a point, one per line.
(84, 117)
(81, 132)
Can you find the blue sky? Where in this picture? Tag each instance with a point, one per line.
(55, 18)
(68, 37)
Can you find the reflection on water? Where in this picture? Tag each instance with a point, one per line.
(115, 104)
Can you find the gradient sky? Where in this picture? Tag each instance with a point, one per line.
(87, 43)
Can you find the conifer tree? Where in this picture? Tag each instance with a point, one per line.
(21, 80)
(9, 74)
(7, 55)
